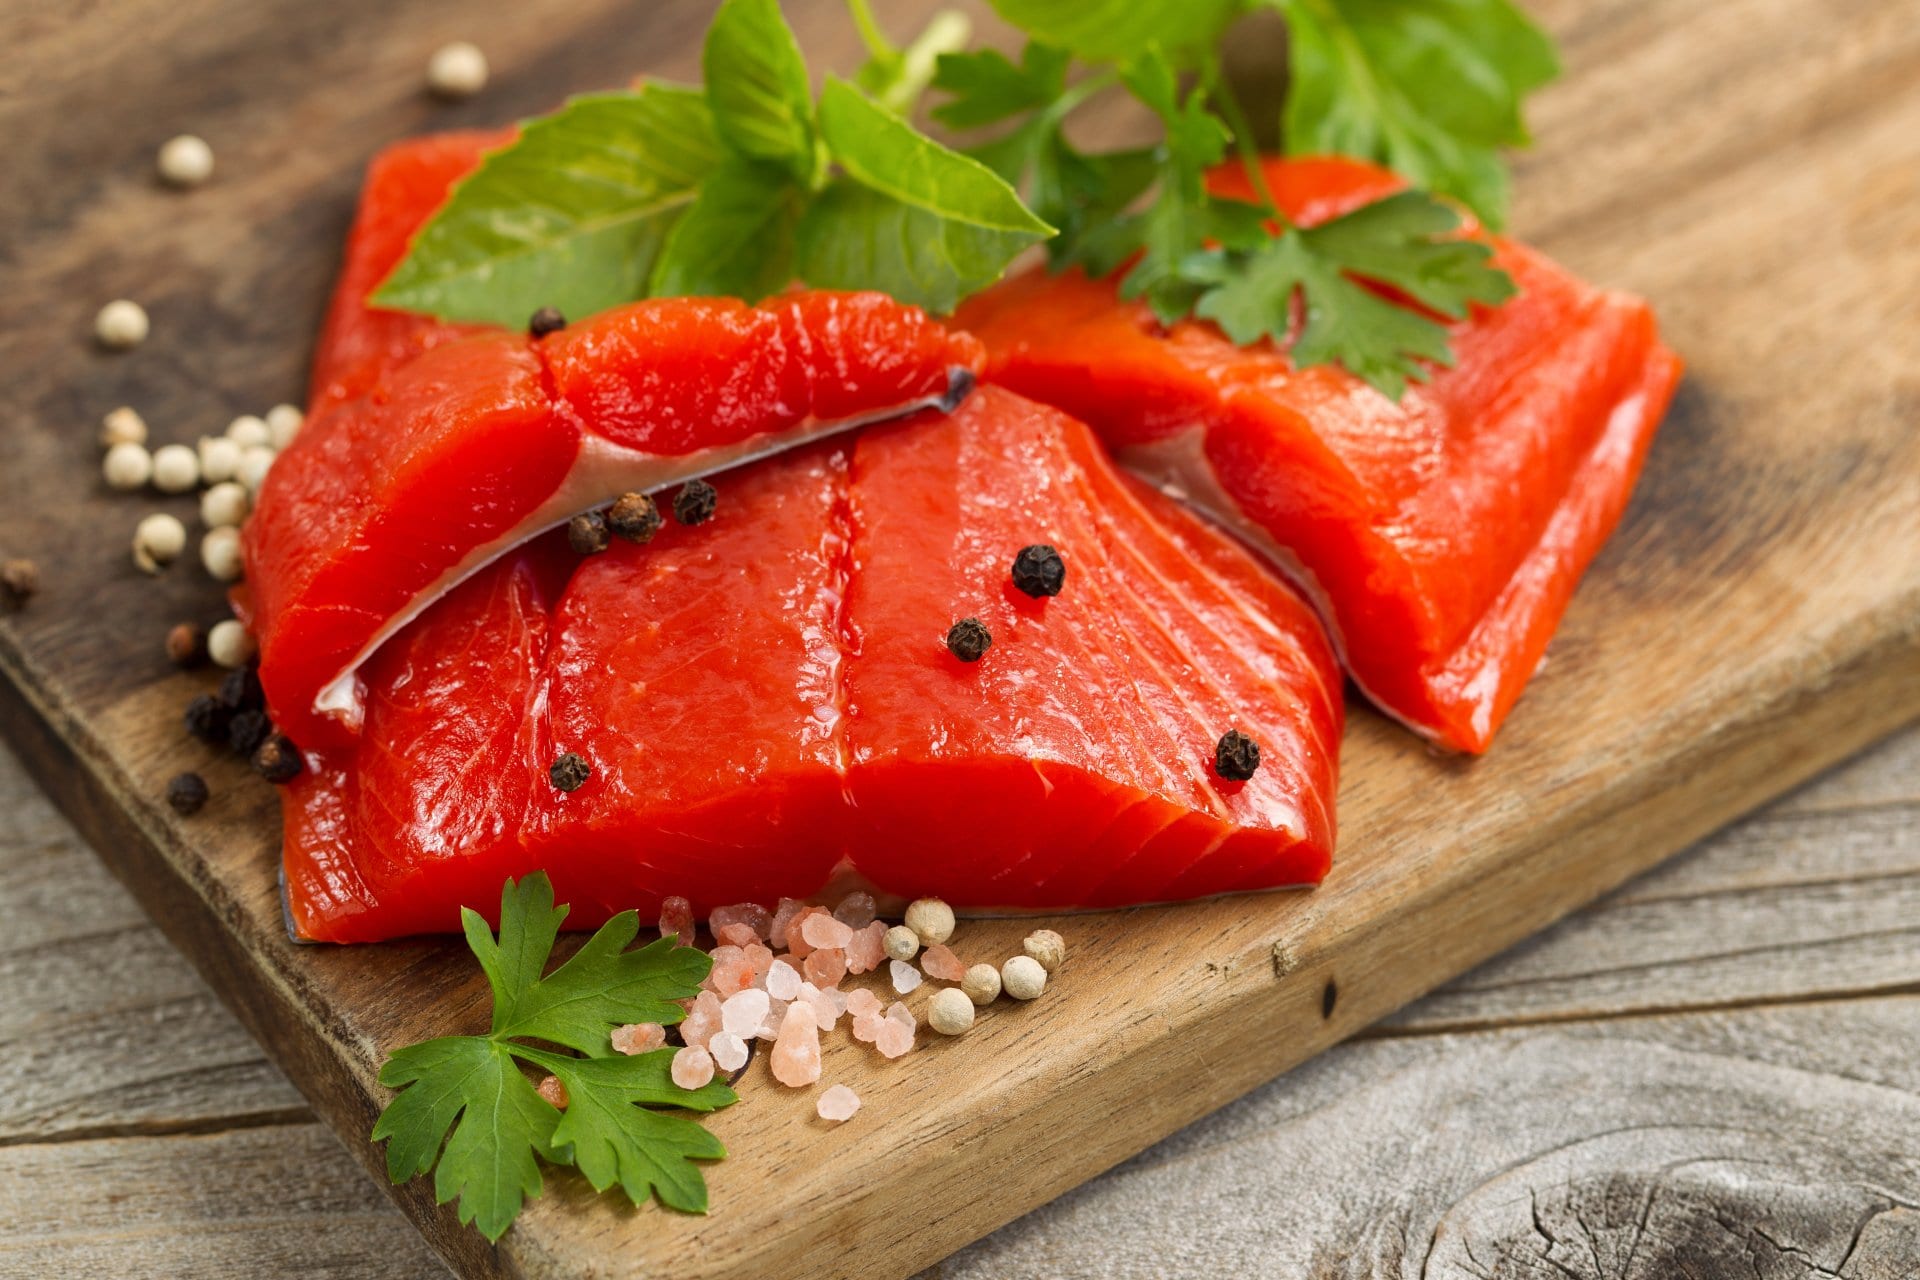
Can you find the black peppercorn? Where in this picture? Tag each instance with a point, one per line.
(240, 690)
(1039, 570)
(208, 717)
(1236, 756)
(247, 730)
(587, 533)
(570, 772)
(695, 502)
(277, 759)
(635, 517)
(187, 793)
(545, 321)
(967, 639)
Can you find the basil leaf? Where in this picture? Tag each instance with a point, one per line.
(1115, 30)
(757, 85)
(1430, 88)
(737, 239)
(909, 217)
(569, 215)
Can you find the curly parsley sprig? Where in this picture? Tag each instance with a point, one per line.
(468, 1112)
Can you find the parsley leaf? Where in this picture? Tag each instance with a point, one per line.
(1431, 88)
(570, 215)
(1397, 242)
(466, 1105)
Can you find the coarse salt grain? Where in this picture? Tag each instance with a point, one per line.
(702, 1020)
(825, 967)
(760, 958)
(729, 1051)
(755, 917)
(783, 980)
(692, 1067)
(825, 1012)
(823, 931)
(638, 1037)
(867, 948)
(938, 961)
(776, 1013)
(901, 1014)
(743, 1012)
(837, 1104)
(867, 1025)
(676, 917)
(553, 1091)
(788, 911)
(861, 1002)
(736, 934)
(856, 910)
(796, 1051)
(893, 1039)
(905, 976)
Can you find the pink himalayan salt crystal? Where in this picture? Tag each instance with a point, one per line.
(729, 1051)
(638, 1037)
(692, 1067)
(897, 1012)
(783, 980)
(702, 1020)
(759, 957)
(867, 948)
(776, 1011)
(797, 944)
(553, 1091)
(676, 917)
(751, 914)
(856, 911)
(790, 909)
(732, 971)
(894, 1038)
(866, 1026)
(825, 1011)
(744, 1011)
(736, 934)
(905, 976)
(861, 1001)
(939, 962)
(825, 967)
(837, 1104)
(824, 932)
(796, 1052)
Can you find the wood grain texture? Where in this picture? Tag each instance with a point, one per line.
(1757, 617)
(1271, 1147)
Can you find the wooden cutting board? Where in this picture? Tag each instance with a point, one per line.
(1755, 171)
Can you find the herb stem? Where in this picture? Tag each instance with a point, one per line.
(1236, 118)
(878, 46)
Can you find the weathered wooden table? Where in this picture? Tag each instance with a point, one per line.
(1713, 1073)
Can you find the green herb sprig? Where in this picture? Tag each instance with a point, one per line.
(751, 183)
(468, 1112)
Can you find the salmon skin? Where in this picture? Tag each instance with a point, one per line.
(1440, 537)
(766, 702)
(434, 448)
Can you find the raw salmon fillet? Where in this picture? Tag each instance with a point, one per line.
(767, 703)
(1440, 537)
(434, 448)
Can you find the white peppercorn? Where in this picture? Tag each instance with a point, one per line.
(224, 505)
(229, 643)
(950, 1012)
(249, 429)
(185, 161)
(122, 426)
(127, 466)
(220, 553)
(1023, 978)
(176, 468)
(457, 70)
(121, 325)
(931, 919)
(158, 540)
(981, 984)
(900, 943)
(1046, 946)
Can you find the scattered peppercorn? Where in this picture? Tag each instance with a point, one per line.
(186, 645)
(208, 718)
(587, 533)
(635, 517)
(278, 760)
(1236, 757)
(545, 321)
(19, 578)
(570, 772)
(240, 690)
(247, 730)
(968, 639)
(695, 502)
(187, 793)
(230, 644)
(1039, 570)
